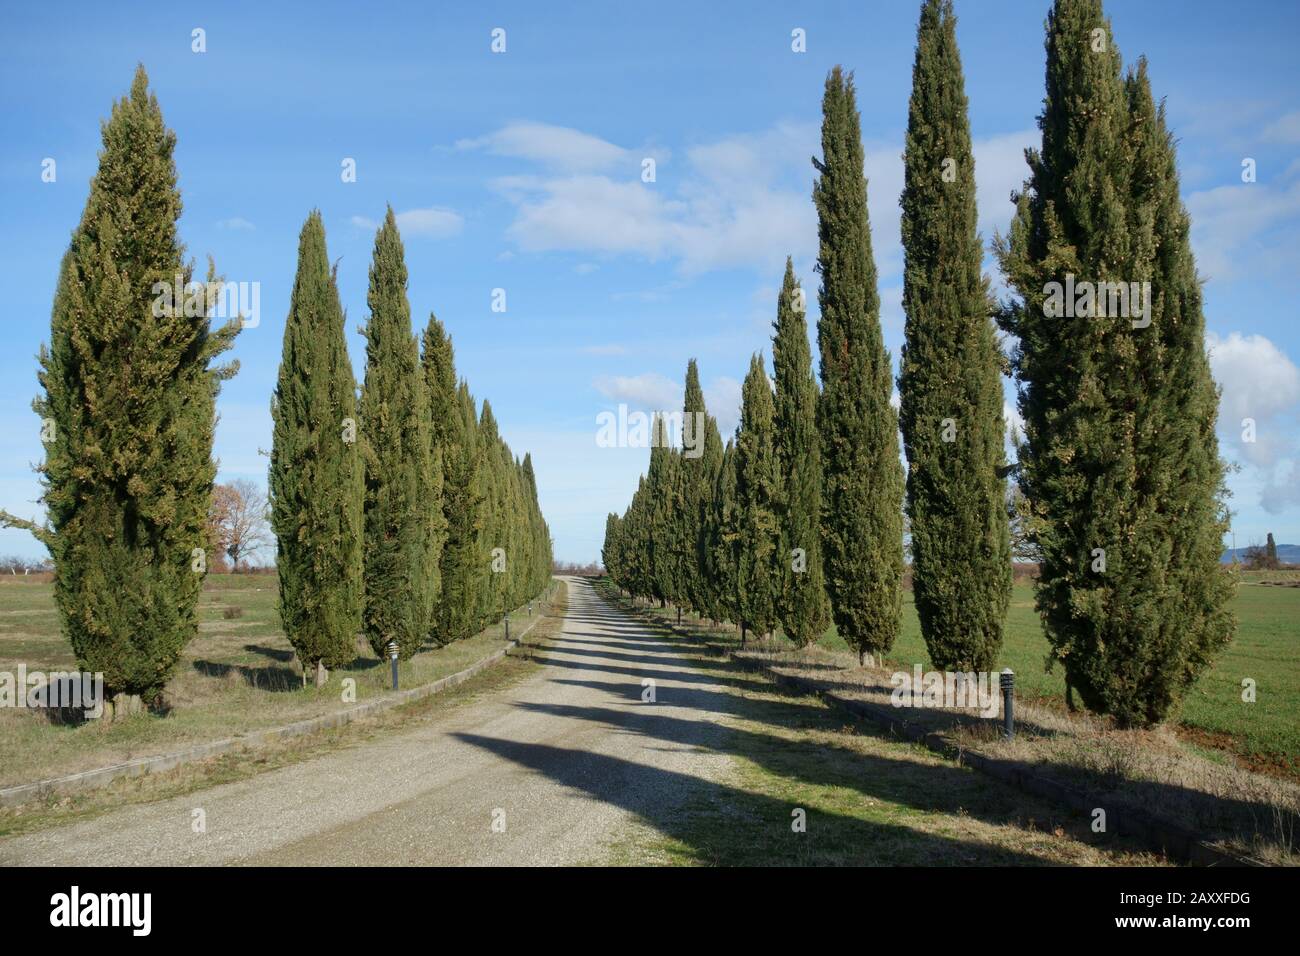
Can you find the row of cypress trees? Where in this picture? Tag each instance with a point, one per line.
(1119, 468)
(386, 510)
(402, 514)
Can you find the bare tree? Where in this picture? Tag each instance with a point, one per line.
(239, 521)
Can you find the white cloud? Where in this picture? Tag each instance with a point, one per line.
(1246, 228)
(1284, 129)
(722, 398)
(741, 201)
(237, 223)
(434, 222)
(1000, 168)
(650, 390)
(1259, 382)
(654, 392)
(556, 146)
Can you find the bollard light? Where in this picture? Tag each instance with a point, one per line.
(392, 656)
(1008, 682)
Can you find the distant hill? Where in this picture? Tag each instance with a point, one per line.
(1286, 553)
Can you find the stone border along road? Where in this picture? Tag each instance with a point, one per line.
(254, 739)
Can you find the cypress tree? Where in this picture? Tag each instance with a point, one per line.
(317, 474)
(862, 505)
(950, 381)
(1121, 462)
(760, 564)
(802, 609)
(463, 571)
(128, 412)
(660, 492)
(611, 551)
(445, 438)
(700, 459)
(1270, 551)
(725, 536)
(493, 558)
(403, 507)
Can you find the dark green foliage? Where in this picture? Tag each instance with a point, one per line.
(725, 537)
(759, 562)
(862, 499)
(697, 473)
(464, 575)
(802, 608)
(129, 393)
(950, 381)
(403, 500)
(1121, 463)
(317, 472)
(662, 492)
(452, 440)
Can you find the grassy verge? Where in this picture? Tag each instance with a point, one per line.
(231, 767)
(1263, 734)
(1244, 811)
(239, 674)
(866, 798)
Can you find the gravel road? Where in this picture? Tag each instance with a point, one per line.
(545, 771)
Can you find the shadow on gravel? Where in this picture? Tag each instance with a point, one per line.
(695, 812)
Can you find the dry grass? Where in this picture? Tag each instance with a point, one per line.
(238, 674)
(1206, 790)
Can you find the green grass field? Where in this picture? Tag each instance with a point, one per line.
(237, 675)
(1266, 649)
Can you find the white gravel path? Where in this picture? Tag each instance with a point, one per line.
(563, 759)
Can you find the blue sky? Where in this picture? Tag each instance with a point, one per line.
(522, 171)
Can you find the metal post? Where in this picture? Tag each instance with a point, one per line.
(1008, 703)
(392, 655)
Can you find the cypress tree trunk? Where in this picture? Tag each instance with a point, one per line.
(802, 610)
(316, 475)
(950, 380)
(129, 408)
(403, 495)
(1121, 462)
(862, 508)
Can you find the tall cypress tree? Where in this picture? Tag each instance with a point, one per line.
(802, 609)
(128, 412)
(701, 457)
(463, 570)
(950, 380)
(317, 475)
(725, 536)
(403, 507)
(760, 564)
(445, 438)
(494, 557)
(862, 475)
(1121, 463)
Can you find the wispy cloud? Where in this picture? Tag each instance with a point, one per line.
(433, 222)
(558, 147)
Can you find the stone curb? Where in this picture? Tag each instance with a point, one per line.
(1160, 834)
(93, 779)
